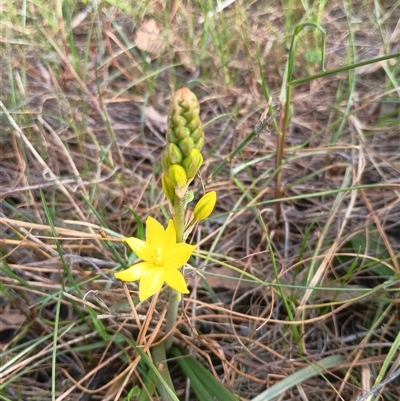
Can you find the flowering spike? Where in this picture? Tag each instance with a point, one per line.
(184, 135)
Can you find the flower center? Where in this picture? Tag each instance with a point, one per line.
(157, 256)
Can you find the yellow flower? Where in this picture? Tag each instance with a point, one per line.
(162, 257)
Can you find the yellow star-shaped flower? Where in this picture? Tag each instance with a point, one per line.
(162, 257)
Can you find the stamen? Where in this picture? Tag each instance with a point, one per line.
(157, 256)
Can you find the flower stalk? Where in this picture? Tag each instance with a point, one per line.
(164, 251)
(173, 296)
(181, 162)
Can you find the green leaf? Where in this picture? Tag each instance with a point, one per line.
(298, 377)
(140, 226)
(150, 385)
(372, 245)
(203, 383)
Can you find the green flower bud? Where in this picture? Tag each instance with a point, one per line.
(199, 144)
(186, 145)
(178, 120)
(205, 206)
(182, 132)
(192, 112)
(174, 154)
(171, 137)
(178, 176)
(192, 163)
(193, 125)
(168, 188)
(185, 98)
(166, 164)
(196, 134)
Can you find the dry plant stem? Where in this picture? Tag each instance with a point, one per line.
(131, 304)
(158, 352)
(283, 127)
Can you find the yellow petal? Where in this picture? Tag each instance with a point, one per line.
(134, 272)
(176, 256)
(170, 236)
(175, 280)
(154, 232)
(140, 247)
(151, 283)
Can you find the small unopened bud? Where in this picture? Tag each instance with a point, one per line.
(178, 176)
(182, 132)
(192, 163)
(178, 121)
(175, 155)
(186, 145)
(199, 144)
(196, 134)
(171, 137)
(186, 99)
(205, 206)
(168, 188)
(166, 164)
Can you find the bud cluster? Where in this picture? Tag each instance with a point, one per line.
(182, 158)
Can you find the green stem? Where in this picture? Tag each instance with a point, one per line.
(285, 97)
(160, 360)
(179, 217)
(172, 314)
(173, 296)
(159, 351)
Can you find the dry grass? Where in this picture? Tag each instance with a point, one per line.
(81, 138)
